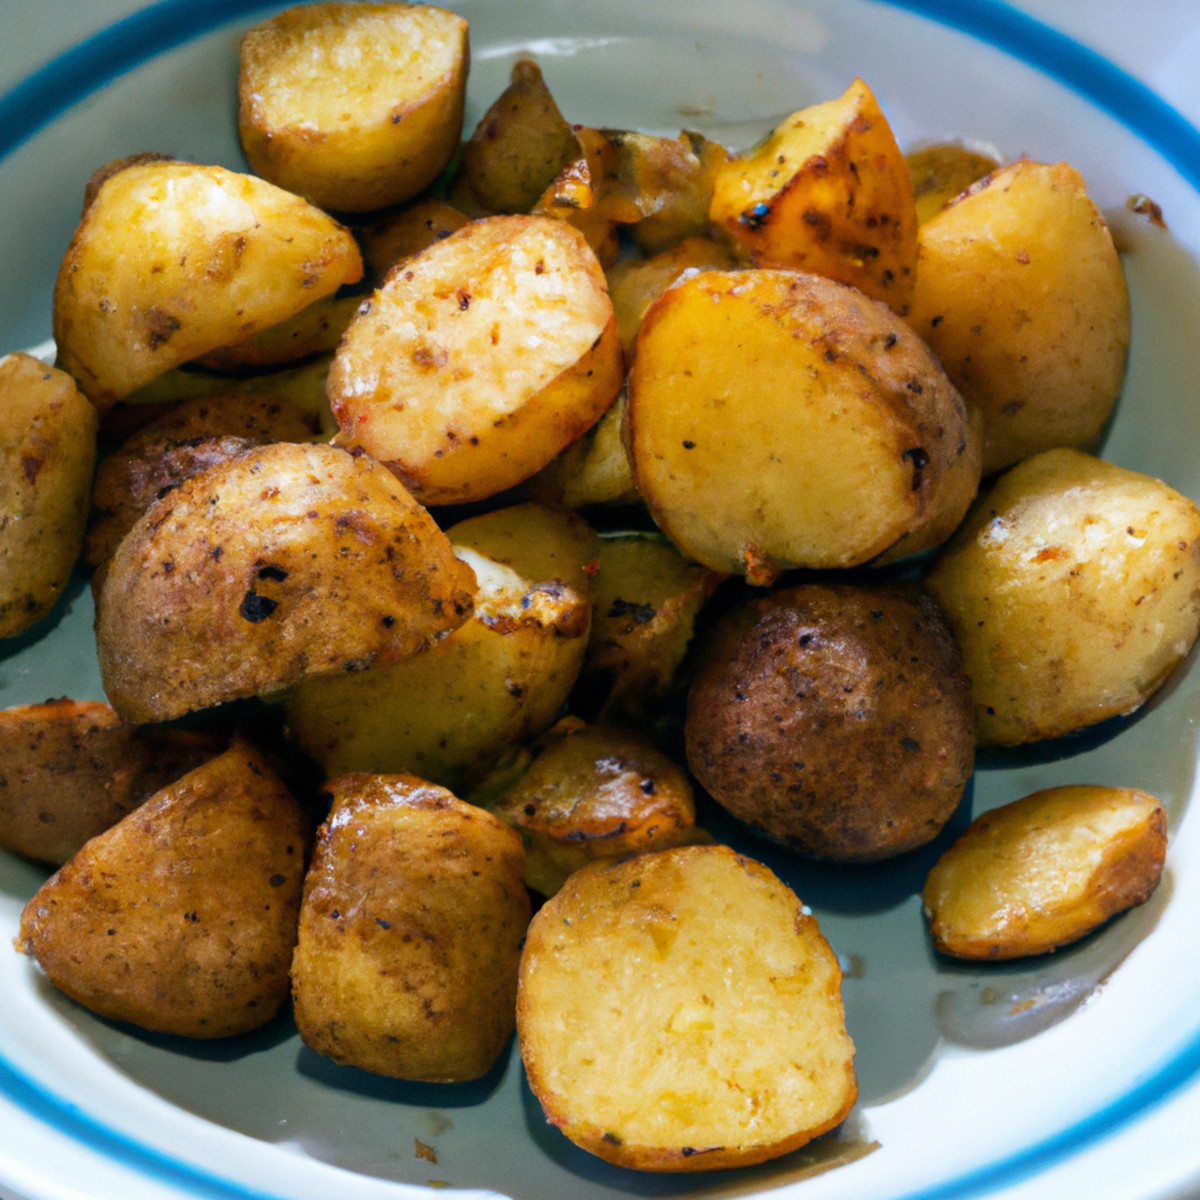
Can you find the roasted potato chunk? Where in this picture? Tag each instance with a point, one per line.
(399, 235)
(1021, 294)
(479, 359)
(829, 192)
(596, 791)
(70, 769)
(182, 917)
(410, 932)
(633, 1038)
(286, 561)
(47, 456)
(499, 679)
(1045, 870)
(353, 106)
(1074, 591)
(942, 171)
(220, 256)
(835, 719)
(877, 452)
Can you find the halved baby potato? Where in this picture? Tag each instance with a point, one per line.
(479, 359)
(173, 260)
(353, 106)
(1045, 870)
(286, 561)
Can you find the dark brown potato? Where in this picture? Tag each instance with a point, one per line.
(182, 917)
(835, 719)
(70, 769)
(410, 933)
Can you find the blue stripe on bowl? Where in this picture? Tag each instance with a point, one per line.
(123, 46)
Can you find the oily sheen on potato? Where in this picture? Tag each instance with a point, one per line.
(681, 1011)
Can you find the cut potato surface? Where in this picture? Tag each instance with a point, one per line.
(353, 106)
(1044, 870)
(681, 1011)
(479, 359)
(779, 420)
(286, 561)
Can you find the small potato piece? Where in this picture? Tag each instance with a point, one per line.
(353, 106)
(828, 192)
(647, 598)
(1074, 591)
(219, 256)
(518, 148)
(780, 420)
(596, 791)
(286, 561)
(400, 235)
(479, 359)
(1045, 870)
(942, 171)
(189, 438)
(497, 680)
(182, 917)
(834, 719)
(70, 769)
(1021, 294)
(410, 932)
(47, 455)
(681, 1011)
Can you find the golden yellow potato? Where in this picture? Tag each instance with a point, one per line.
(681, 1011)
(410, 932)
(47, 456)
(286, 561)
(834, 718)
(173, 260)
(778, 419)
(190, 437)
(70, 769)
(1021, 294)
(405, 232)
(828, 192)
(500, 678)
(942, 171)
(182, 917)
(479, 359)
(647, 597)
(517, 149)
(353, 106)
(1074, 591)
(1043, 871)
(596, 791)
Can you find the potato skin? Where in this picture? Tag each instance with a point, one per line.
(47, 456)
(1073, 589)
(70, 769)
(287, 561)
(834, 719)
(681, 1011)
(414, 911)
(182, 917)
(1045, 870)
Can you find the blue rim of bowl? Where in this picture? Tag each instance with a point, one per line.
(128, 43)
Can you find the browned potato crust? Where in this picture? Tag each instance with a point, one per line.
(681, 1011)
(399, 235)
(286, 561)
(70, 769)
(353, 106)
(479, 359)
(1073, 589)
(182, 917)
(1043, 871)
(878, 452)
(410, 932)
(47, 455)
(835, 719)
(596, 791)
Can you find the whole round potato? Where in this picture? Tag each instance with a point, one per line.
(835, 718)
